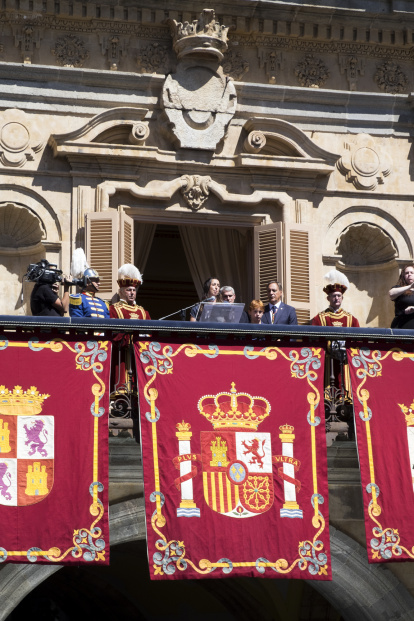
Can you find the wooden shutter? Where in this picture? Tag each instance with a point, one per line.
(299, 271)
(101, 230)
(268, 258)
(126, 239)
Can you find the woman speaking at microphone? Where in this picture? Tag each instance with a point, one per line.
(211, 289)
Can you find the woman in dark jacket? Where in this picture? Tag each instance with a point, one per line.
(403, 297)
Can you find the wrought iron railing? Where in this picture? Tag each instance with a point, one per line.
(123, 413)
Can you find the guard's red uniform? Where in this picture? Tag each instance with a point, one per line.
(122, 354)
(123, 310)
(336, 320)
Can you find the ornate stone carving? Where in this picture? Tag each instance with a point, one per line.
(204, 36)
(254, 142)
(354, 248)
(273, 61)
(234, 65)
(139, 133)
(352, 66)
(199, 100)
(114, 46)
(311, 72)
(18, 227)
(364, 163)
(195, 190)
(19, 138)
(70, 51)
(154, 58)
(28, 38)
(390, 78)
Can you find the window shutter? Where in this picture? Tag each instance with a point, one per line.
(268, 257)
(101, 230)
(126, 239)
(299, 271)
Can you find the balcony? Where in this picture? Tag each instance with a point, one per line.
(125, 468)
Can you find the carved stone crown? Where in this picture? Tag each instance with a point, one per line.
(234, 409)
(18, 402)
(203, 37)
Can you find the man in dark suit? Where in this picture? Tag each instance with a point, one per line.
(276, 312)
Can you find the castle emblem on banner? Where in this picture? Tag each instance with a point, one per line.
(26, 447)
(236, 459)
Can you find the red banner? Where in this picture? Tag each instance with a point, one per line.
(54, 450)
(383, 395)
(234, 458)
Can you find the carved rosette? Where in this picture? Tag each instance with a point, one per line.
(235, 65)
(311, 72)
(70, 51)
(19, 138)
(154, 58)
(390, 78)
(195, 190)
(364, 163)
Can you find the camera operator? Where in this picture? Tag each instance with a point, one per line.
(45, 299)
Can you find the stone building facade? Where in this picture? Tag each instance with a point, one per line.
(247, 140)
(253, 141)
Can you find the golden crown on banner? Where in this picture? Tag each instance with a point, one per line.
(20, 402)
(408, 413)
(286, 428)
(234, 409)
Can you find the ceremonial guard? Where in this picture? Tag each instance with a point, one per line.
(123, 365)
(129, 279)
(337, 379)
(335, 316)
(86, 304)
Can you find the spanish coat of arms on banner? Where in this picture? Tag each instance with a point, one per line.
(234, 460)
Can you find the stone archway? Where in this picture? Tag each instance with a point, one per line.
(361, 592)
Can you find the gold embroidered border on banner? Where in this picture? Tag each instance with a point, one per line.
(387, 542)
(87, 542)
(311, 554)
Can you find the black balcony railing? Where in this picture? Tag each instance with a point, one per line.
(123, 413)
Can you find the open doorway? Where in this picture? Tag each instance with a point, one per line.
(181, 257)
(168, 285)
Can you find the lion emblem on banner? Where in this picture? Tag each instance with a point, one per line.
(237, 460)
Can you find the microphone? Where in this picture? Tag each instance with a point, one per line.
(213, 297)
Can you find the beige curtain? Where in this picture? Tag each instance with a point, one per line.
(219, 252)
(143, 236)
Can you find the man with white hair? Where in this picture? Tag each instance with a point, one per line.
(129, 279)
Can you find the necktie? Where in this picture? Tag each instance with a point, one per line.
(274, 309)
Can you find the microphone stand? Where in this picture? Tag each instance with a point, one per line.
(182, 311)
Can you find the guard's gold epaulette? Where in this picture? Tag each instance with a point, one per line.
(75, 299)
